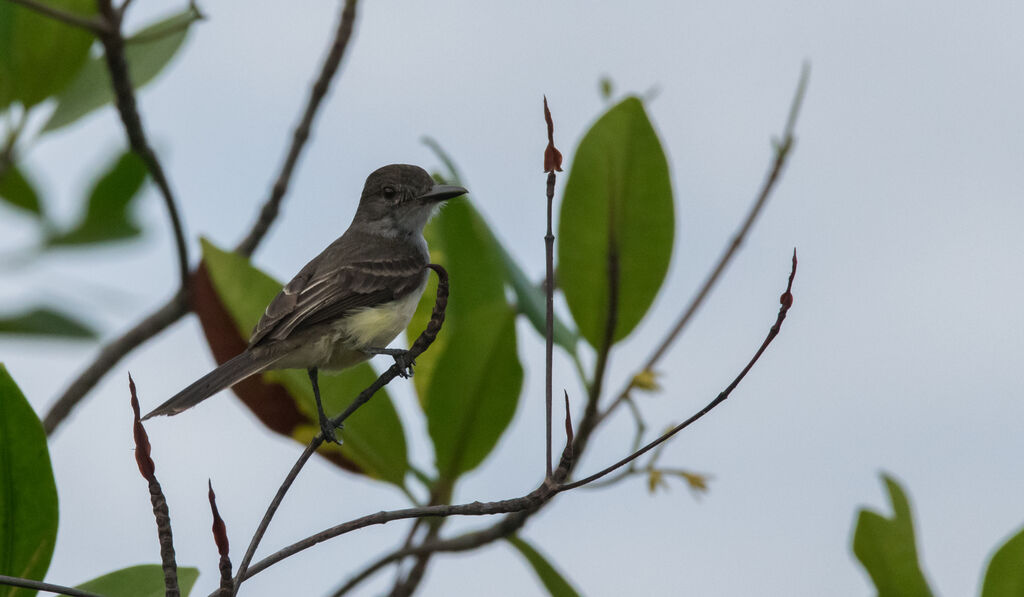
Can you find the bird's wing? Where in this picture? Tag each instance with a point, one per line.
(323, 292)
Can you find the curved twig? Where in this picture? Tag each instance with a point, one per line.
(316, 95)
(92, 25)
(127, 107)
(28, 583)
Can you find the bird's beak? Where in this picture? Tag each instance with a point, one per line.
(442, 192)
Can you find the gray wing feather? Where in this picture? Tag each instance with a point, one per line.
(348, 275)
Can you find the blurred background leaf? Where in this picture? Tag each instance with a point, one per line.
(373, 438)
(886, 548)
(1005, 574)
(549, 576)
(148, 52)
(617, 201)
(28, 494)
(18, 191)
(39, 55)
(107, 212)
(146, 580)
(43, 321)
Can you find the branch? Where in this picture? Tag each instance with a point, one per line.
(124, 96)
(425, 339)
(786, 301)
(92, 25)
(782, 150)
(552, 163)
(27, 583)
(518, 509)
(273, 203)
(111, 354)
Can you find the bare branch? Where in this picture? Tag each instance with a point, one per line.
(28, 583)
(301, 134)
(124, 99)
(92, 25)
(425, 339)
(111, 354)
(782, 151)
(552, 163)
(786, 302)
(156, 496)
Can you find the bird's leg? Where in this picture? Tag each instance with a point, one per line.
(401, 356)
(326, 426)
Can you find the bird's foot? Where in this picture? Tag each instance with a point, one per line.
(403, 359)
(327, 428)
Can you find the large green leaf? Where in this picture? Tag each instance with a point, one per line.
(469, 380)
(1005, 574)
(885, 547)
(146, 580)
(45, 322)
(40, 55)
(28, 495)
(107, 214)
(616, 221)
(474, 390)
(373, 438)
(18, 191)
(553, 581)
(147, 53)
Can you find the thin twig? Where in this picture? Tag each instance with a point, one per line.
(425, 339)
(111, 354)
(273, 203)
(786, 302)
(28, 583)
(90, 24)
(782, 151)
(552, 163)
(156, 496)
(220, 537)
(127, 107)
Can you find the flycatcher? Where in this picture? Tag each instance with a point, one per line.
(350, 301)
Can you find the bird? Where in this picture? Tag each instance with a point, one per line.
(348, 302)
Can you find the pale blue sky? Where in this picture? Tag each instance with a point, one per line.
(902, 352)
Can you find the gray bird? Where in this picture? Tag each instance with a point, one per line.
(350, 301)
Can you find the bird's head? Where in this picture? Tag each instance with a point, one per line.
(399, 199)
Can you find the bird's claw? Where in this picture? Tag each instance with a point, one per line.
(327, 428)
(405, 363)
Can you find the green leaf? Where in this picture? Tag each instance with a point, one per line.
(469, 380)
(1005, 574)
(553, 581)
(146, 580)
(886, 549)
(18, 191)
(40, 55)
(617, 211)
(147, 53)
(28, 495)
(106, 215)
(474, 391)
(45, 322)
(373, 438)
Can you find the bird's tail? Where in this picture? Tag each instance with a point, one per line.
(226, 375)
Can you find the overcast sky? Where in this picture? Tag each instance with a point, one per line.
(902, 352)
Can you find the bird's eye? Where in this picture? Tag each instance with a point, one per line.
(389, 192)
